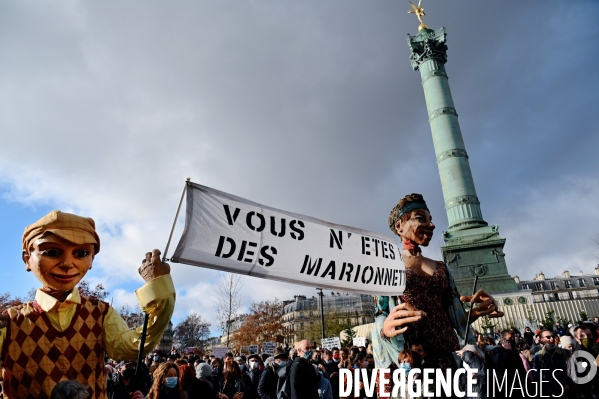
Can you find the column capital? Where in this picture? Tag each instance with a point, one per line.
(426, 45)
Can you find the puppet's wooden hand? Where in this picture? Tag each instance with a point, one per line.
(486, 305)
(399, 317)
(152, 267)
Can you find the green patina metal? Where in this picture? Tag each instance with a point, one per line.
(471, 245)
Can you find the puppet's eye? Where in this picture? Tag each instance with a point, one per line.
(52, 252)
(81, 253)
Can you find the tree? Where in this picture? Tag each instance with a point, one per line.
(192, 332)
(227, 301)
(583, 316)
(350, 334)
(531, 318)
(134, 317)
(7, 302)
(332, 325)
(486, 324)
(262, 325)
(549, 320)
(99, 292)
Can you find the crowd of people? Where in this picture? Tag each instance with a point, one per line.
(308, 372)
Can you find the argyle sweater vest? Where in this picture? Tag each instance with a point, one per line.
(37, 356)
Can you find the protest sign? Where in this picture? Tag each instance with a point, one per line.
(268, 347)
(359, 341)
(219, 352)
(232, 234)
(253, 349)
(330, 343)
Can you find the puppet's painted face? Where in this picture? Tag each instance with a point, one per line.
(418, 228)
(59, 264)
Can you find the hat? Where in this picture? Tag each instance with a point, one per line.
(203, 370)
(238, 358)
(566, 340)
(73, 228)
(280, 353)
(254, 356)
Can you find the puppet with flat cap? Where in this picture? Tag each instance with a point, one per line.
(62, 335)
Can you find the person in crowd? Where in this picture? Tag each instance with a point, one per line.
(325, 391)
(474, 357)
(430, 305)
(190, 385)
(408, 360)
(536, 346)
(586, 336)
(59, 250)
(336, 355)
(303, 377)
(255, 373)
(553, 361)
(274, 376)
(217, 370)
(209, 388)
(125, 382)
(166, 383)
(70, 389)
(344, 360)
(558, 329)
(232, 385)
(360, 362)
(328, 362)
(292, 354)
(529, 336)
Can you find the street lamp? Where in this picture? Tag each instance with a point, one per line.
(320, 294)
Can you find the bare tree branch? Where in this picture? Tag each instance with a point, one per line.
(227, 302)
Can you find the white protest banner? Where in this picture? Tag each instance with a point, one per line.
(269, 347)
(359, 341)
(330, 343)
(253, 349)
(232, 234)
(219, 352)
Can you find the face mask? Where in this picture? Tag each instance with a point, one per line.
(128, 373)
(406, 366)
(242, 367)
(336, 356)
(329, 361)
(170, 382)
(489, 347)
(254, 365)
(156, 358)
(215, 370)
(317, 358)
(586, 342)
(308, 354)
(283, 363)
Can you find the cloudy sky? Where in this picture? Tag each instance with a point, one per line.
(308, 106)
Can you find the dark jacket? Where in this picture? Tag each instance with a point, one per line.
(270, 380)
(554, 381)
(506, 362)
(231, 388)
(254, 380)
(303, 379)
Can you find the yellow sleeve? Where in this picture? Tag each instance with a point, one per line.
(157, 298)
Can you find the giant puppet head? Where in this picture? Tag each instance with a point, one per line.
(59, 249)
(411, 220)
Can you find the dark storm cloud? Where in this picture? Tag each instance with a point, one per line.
(307, 106)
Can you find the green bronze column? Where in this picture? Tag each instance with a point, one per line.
(429, 54)
(471, 245)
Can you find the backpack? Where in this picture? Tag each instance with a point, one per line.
(284, 388)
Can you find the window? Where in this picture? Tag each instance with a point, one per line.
(581, 282)
(570, 295)
(568, 284)
(539, 286)
(596, 280)
(553, 285)
(525, 286)
(556, 296)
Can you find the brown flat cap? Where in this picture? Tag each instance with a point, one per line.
(73, 228)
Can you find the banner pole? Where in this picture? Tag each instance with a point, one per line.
(164, 259)
(468, 322)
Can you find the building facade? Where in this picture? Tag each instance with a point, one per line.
(166, 342)
(302, 312)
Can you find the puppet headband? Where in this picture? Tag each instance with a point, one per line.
(410, 207)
